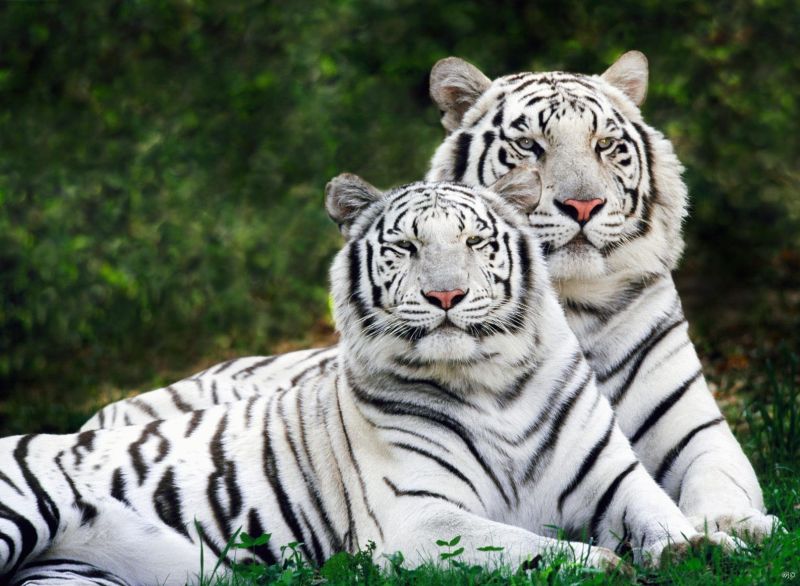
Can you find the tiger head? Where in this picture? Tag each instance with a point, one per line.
(437, 279)
(612, 200)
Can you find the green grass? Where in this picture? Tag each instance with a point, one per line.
(769, 425)
(775, 561)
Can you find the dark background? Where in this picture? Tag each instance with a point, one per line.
(162, 166)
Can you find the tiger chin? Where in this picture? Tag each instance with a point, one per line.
(391, 444)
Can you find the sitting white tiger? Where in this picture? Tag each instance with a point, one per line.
(610, 218)
(460, 405)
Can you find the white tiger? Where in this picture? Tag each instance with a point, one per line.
(460, 404)
(609, 217)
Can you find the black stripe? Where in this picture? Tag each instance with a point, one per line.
(311, 479)
(85, 441)
(88, 511)
(140, 404)
(538, 461)
(224, 365)
(620, 392)
(212, 545)
(135, 450)
(46, 505)
(223, 476)
(571, 371)
(255, 529)
(656, 333)
(27, 531)
(357, 468)
(374, 288)
(177, 401)
(248, 372)
(197, 416)
(515, 389)
(167, 502)
(273, 477)
(118, 486)
(354, 274)
(605, 500)
(214, 396)
(444, 464)
(351, 536)
(461, 156)
(665, 406)
(669, 459)
(8, 481)
(10, 545)
(422, 493)
(47, 574)
(488, 139)
(588, 463)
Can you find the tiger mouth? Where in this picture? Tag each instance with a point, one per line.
(446, 327)
(579, 242)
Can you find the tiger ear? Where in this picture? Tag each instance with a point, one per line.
(521, 187)
(346, 196)
(455, 86)
(629, 75)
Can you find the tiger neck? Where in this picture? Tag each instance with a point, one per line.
(608, 293)
(603, 323)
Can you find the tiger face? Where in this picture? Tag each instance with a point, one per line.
(435, 277)
(611, 200)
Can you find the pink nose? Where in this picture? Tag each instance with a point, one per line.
(445, 299)
(583, 209)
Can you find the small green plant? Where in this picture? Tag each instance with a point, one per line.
(450, 553)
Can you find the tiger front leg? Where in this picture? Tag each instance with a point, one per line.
(714, 492)
(415, 535)
(701, 465)
(633, 510)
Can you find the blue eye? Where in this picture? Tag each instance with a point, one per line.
(406, 245)
(528, 144)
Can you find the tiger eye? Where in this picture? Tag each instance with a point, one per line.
(474, 240)
(526, 143)
(605, 143)
(406, 244)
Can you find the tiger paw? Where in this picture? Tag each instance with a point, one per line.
(751, 524)
(671, 551)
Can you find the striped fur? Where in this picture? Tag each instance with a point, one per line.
(612, 274)
(483, 421)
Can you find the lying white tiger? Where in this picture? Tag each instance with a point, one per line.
(461, 405)
(610, 218)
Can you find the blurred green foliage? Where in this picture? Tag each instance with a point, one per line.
(162, 162)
